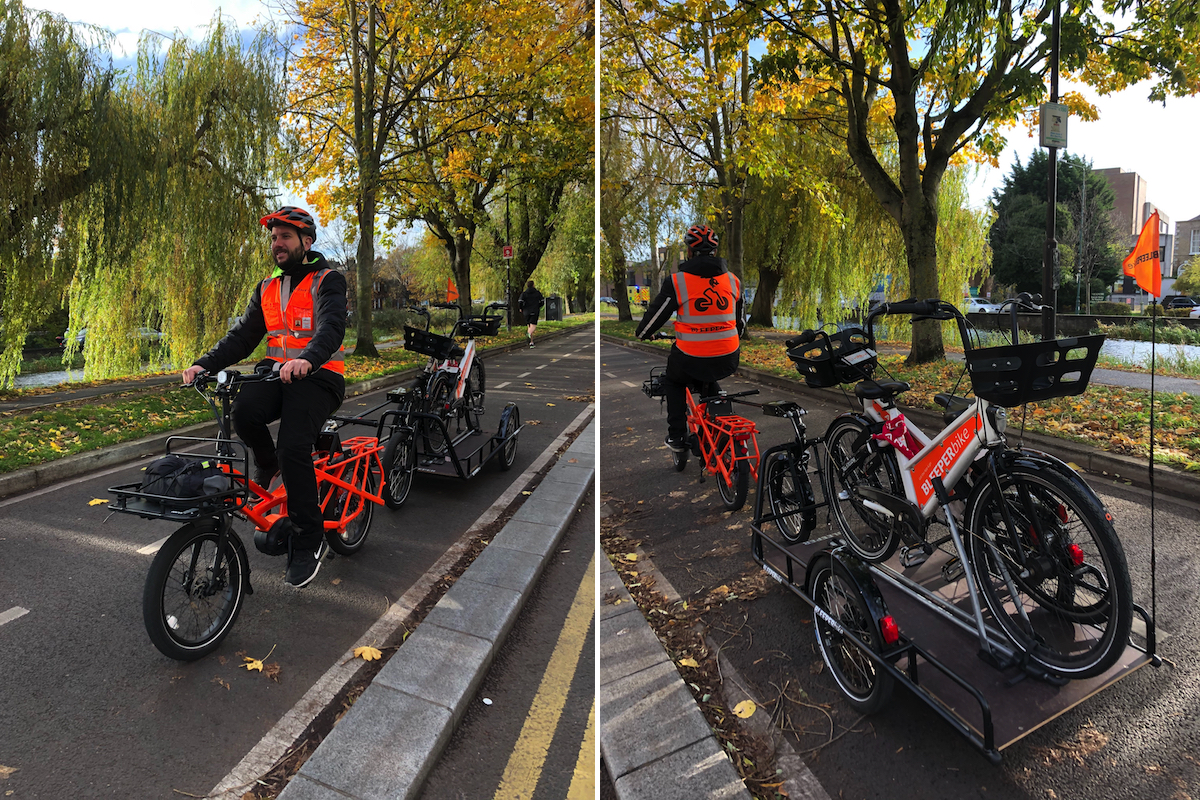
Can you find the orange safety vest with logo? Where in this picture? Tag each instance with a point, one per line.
(291, 321)
(706, 322)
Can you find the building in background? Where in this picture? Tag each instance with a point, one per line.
(1187, 239)
(1131, 209)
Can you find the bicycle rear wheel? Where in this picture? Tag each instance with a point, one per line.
(871, 534)
(1070, 606)
(441, 393)
(188, 604)
(476, 388)
(731, 455)
(353, 536)
(867, 686)
(399, 464)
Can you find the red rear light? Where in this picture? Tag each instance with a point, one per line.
(890, 630)
(1076, 554)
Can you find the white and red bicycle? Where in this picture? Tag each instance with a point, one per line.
(1025, 530)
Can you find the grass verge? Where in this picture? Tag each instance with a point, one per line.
(1111, 418)
(36, 436)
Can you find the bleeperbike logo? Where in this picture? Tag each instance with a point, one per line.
(1151, 256)
(938, 462)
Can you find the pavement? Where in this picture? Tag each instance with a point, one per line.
(654, 740)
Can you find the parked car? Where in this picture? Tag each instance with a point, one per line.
(608, 301)
(1195, 313)
(145, 334)
(1178, 301)
(977, 306)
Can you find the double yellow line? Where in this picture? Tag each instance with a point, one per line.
(528, 758)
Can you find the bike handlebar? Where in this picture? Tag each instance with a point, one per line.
(230, 377)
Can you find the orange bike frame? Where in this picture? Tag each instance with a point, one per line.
(708, 429)
(349, 473)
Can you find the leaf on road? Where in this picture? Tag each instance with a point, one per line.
(688, 662)
(367, 653)
(745, 709)
(255, 663)
(5, 772)
(336, 581)
(272, 671)
(550, 404)
(99, 501)
(223, 683)
(631, 556)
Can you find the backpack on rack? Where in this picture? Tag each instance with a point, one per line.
(184, 477)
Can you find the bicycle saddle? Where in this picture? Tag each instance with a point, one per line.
(782, 408)
(880, 390)
(953, 404)
(457, 352)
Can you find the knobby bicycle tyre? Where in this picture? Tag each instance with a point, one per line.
(787, 494)
(399, 465)
(351, 539)
(476, 389)
(867, 686)
(872, 535)
(188, 608)
(733, 492)
(1076, 592)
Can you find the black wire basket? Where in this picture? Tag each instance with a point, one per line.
(480, 326)
(1016, 374)
(653, 386)
(426, 343)
(843, 357)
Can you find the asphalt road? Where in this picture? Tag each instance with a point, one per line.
(531, 736)
(1136, 739)
(88, 707)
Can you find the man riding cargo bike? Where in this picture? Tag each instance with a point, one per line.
(707, 301)
(301, 309)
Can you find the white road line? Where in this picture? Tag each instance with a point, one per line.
(285, 732)
(524, 374)
(543, 366)
(151, 549)
(630, 385)
(501, 386)
(610, 375)
(13, 613)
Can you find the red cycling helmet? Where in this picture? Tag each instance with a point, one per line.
(298, 218)
(700, 238)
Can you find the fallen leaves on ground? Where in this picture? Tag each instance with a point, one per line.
(367, 653)
(745, 709)
(256, 663)
(99, 501)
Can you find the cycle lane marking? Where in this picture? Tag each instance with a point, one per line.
(528, 757)
(501, 386)
(277, 741)
(16, 612)
(610, 375)
(630, 385)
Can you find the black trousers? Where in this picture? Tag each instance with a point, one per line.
(301, 408)
(700, 373)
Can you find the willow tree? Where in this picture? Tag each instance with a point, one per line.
(687, 67)
(946, 76)
(364, 69)
(138, 195)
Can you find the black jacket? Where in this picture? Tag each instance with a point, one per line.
(666, 303)
(329, 306)
(530, 301)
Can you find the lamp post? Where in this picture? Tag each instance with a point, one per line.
(1082, 221)
(1050, 251)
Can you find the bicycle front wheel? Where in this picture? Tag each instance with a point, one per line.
(732, 456)
(787, 494)
(867, 686)
(399, 464)
(189, 603)
(475, 387)
(441, 393)
(871, 534)
(1057, 582)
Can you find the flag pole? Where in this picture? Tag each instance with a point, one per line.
(1153, 555)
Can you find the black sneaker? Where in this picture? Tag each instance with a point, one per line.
(264, 475)
(677, 444)
(303, 565)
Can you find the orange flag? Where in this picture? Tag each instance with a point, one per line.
(451, 291)
(1143, 263)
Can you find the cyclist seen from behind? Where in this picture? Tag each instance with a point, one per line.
(301, 309)
(707, 301)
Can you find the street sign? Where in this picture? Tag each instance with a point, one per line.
(506, 251)
(1053, 127)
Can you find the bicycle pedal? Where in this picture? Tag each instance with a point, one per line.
(913, 556)
(952, 570)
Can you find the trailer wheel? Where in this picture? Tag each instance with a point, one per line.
(842, 609)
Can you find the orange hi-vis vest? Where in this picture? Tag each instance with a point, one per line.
(706, 322)
(291, 319)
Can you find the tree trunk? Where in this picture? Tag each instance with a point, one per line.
(365, 346)
(761, 311)
(462, 270)
(624, 314)
(920, 245)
